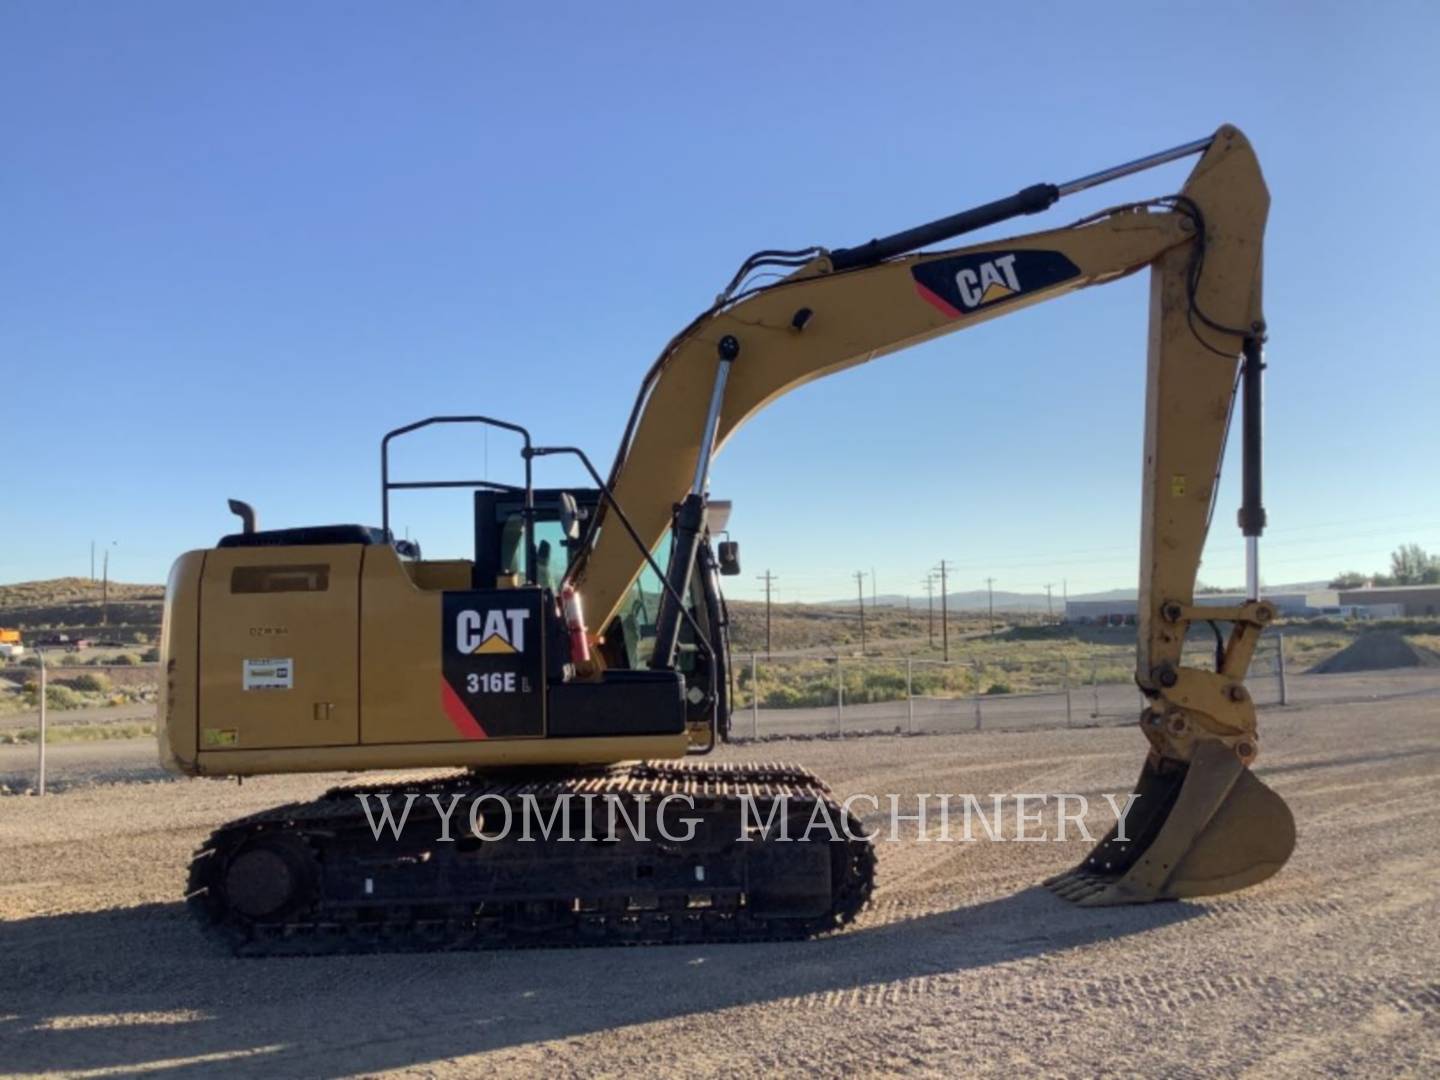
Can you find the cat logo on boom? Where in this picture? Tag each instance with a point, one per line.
(961, 284)
(499, 631)
(990, 281)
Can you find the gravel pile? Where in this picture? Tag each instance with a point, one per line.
(1379, 650)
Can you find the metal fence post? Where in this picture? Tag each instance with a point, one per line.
(1280, 656)
(754, 698)
(910, 695)
(839, 694)
(1095, 685)
(976, 665)
(1069, 716)
(40, 765)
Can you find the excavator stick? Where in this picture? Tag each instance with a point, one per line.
(1202, 822)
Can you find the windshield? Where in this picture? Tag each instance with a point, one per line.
(641, 608)
(553, 552)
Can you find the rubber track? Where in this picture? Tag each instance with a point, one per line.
(325, 929)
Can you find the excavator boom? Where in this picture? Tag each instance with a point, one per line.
(843, 308)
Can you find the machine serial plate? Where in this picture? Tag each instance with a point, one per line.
(269, 674)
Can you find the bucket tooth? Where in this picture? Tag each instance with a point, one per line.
(1106, 896)
(1081, 886)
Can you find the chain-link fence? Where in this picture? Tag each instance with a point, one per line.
(834, 695)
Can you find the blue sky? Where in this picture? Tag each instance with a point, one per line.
(243, 240)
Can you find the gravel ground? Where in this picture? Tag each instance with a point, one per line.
(962, 965)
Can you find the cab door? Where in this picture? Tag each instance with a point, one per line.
(279, 647)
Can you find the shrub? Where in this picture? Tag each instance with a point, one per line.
(61, 697)
(885, 685)
(124, 659)
(151, 655)
(781, 697)
(92, 683)
(999, 688)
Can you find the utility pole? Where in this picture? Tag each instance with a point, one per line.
(944, 611)
(990, 588)
(40, 764)
(860, 586)
(930, 606)
(105, 585)
(1049, 604)
(768, 578)
(873, 602)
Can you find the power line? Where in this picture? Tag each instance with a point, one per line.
(1217, 561)
(1131, 552)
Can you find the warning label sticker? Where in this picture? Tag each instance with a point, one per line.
(269, 674)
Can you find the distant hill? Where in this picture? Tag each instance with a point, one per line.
(67, 590)
(975, 600)
(75, 605)
(979, 600)
(1291, 587)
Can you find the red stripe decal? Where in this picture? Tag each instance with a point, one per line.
(938, 301)
(460, 714)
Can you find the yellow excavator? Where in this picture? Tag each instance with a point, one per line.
(340, 648)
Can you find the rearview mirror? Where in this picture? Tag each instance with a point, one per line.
(729, 557)
(569, 516)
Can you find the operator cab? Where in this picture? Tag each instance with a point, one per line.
(562, 519)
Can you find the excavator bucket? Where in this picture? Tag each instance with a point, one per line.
(1194, 829)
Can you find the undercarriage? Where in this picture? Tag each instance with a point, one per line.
(649, 853)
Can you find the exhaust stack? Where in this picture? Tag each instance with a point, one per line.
(245, 512)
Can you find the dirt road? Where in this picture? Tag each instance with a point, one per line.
(961, 966)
